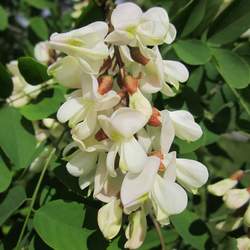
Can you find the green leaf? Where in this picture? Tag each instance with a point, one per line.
(207, 138)
(46, 104)
(33, 72)
(3, 19)
(233, 22)
(194, 52)
(5, 176)
(13, 200)
(15, 139)
(232, 68)
(40, 4)
(59, 224)
(40, 28)
(195, 78)
(6, 85)
(191, 228)
(195, 18)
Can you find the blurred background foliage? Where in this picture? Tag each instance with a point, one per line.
(210, 42)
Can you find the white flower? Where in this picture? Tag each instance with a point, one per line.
(120, 128)
(221, 187)
(86, 43)
(132, 25)
(236, 198)
(136, 229)
(22, 91)
(81, 108)
(83, 165)
(170, 197)
(43, 52)
(68, 72)
(110, 218)
(160, 75)
(246, 218)
(106, 187)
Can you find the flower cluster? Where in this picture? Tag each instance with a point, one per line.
(122, 142)
(238, 201)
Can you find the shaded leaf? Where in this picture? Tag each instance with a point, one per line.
(195, 17)
(6, 85)
(13, 200)
(32, 71)
(5, 176)
(40, 4)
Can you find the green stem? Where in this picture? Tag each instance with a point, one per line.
(242, 102)
(33, 199)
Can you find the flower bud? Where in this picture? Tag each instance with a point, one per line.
(100, 135)
(230, 224)
(236, 198)
(110, 218)
(246, 218)
(155, 119)
(131, 84)
(221, 187)
(105, 84)
(243, 243)
(136, 230)
(137, 56)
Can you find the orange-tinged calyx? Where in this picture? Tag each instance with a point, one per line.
(161, 157)
(137, 56)
(155, 120)
(248, 189)
(131, 84)
(100, 135)
(238, 175)
(105, 84)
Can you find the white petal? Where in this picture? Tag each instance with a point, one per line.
(134, 155)
(86, 180)
(156, 14)
(84, 129)
(136, 186)
(170, 196)
(69, 109)
(169, 162)
(166, 90)
(126, 15)
(144, 140)
(221, 187)
(230, 224)
(185, 126)
(110, 218)
(136, 230)
(111, 159)
(247, 217)
(191, 174)
(119, 37)
(107, 101)
(167, 132)
(171, 35)
(81, 163)
(127, 121)
(236, 198)
(175, 70)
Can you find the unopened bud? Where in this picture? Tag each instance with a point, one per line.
(131, 84)
(137, 56)
(221, 187)
(155, 120)
(238, 175)
(105, 84)
(161, 157)
(236, 198)
(100, 135)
